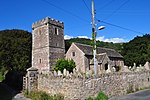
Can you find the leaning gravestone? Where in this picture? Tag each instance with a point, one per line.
(147, 65)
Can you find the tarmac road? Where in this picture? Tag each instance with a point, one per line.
(140, 95)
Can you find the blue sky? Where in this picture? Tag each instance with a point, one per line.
(130, 14)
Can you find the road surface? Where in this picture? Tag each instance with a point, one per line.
(140, 95)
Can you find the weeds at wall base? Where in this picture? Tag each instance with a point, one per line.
(39, 95)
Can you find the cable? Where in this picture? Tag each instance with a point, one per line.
(117, 9)
(106, 5)
(86, 6)
(64, 10)
(120, 27)
(88, 21)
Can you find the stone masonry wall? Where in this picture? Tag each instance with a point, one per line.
(112, 84)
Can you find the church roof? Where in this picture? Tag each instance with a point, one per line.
(100, 58)
(88, 50)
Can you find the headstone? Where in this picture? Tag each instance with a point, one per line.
(74, 70)
(108, 70)
(147, 65)
(64, 72)
(134, 67)
(114, 69)
(55, 73)
(67, 73)
(138, 69)
(59, 73)
(126, 69)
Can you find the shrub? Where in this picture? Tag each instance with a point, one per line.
(101, 96)
(62, 64)
(90, 98)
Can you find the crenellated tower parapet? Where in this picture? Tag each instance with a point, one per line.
(46, 21)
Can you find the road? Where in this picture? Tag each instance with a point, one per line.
(7, 93)
(140, 95)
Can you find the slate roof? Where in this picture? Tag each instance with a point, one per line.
(100, 58)
(88, 50)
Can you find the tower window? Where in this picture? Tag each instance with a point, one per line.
(73, 54)
(56, 31)
(40, 61)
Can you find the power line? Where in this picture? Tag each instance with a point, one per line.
(88, 21)
(106, 4)
(66, 11)
(86, 6)
(120, 27)
(117, 9)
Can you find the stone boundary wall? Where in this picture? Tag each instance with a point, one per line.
(113, 84)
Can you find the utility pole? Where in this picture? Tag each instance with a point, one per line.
(94, 38)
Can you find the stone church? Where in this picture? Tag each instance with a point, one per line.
(48, 46)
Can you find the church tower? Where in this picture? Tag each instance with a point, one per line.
(47, 43)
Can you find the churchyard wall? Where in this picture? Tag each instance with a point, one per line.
(77, 87)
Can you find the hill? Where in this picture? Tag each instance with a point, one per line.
(137, 50)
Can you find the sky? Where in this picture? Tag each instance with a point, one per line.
(123, 19)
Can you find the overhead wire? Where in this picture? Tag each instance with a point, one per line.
(90, 12)
(66, 11)
(106, 5)
(117, 9)
(120, 27)
(87, 6)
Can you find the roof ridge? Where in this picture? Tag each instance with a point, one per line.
(91, 46)
(82, 44)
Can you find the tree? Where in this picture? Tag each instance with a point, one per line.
(15, 50)
(137, 50)
(62, 64)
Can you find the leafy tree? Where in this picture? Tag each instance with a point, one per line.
(137, 50)
(62, 64)
(15, 50)
(15, 56)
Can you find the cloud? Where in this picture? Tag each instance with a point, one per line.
(66, 37)
(114, 40)
(83, 37)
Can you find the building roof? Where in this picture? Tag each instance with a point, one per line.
(100, 58)
(88, 50)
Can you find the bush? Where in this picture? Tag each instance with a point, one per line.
(101, 96)
(62, 64)
(90, 98)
